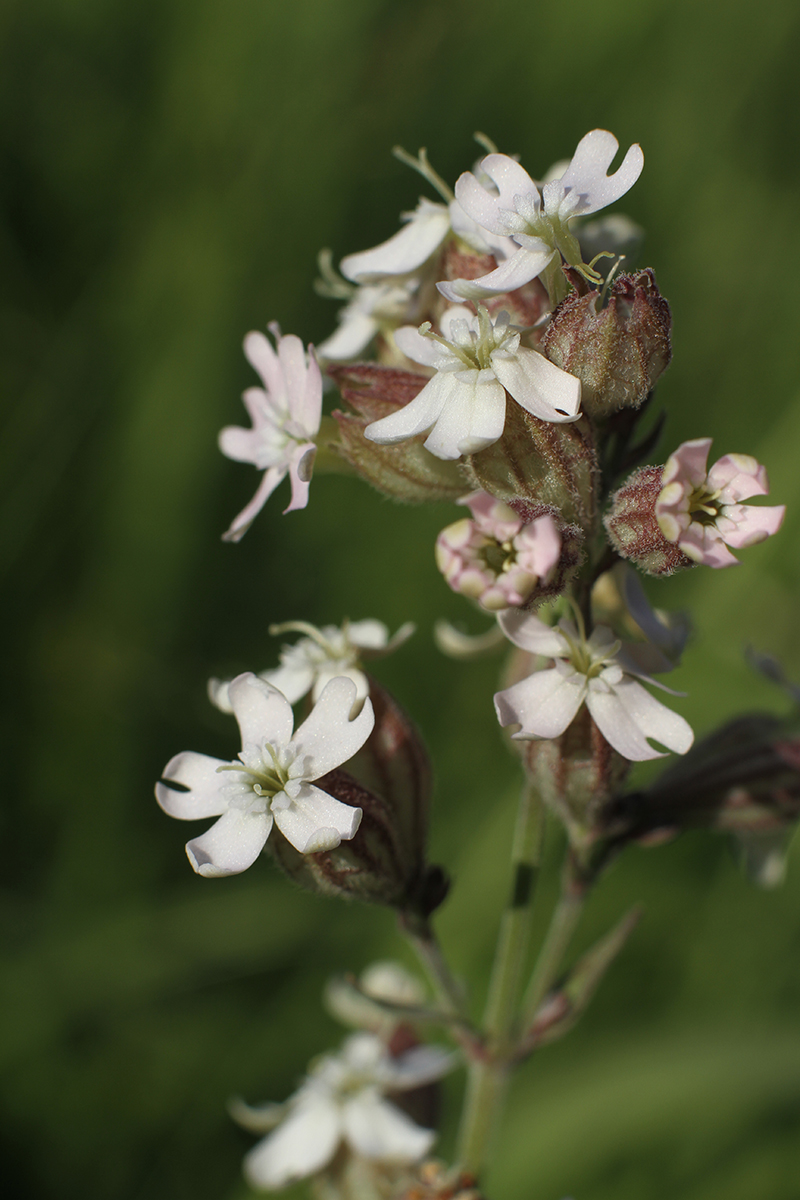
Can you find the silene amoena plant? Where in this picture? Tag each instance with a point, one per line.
(493, 354)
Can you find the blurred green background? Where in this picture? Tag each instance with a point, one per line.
(170, 171)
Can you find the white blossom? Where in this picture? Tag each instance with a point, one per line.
(372, 309)
(342, 1101)
(285, 417)
(476, 360)
(506, 202)
(592, 671)
(272, 781)
(323, 654)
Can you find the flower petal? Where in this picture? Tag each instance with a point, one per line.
(538, 385)
(356, 330)
(753, 523)
(418, 1066)
(199, 773)
(261, 356)
(521, 268)
(241, 523)
(627, 715)
(301, 1145)
(293, 680)
(301, 465)
(315, 821)
(406, 250)
(737, 477)
(327, 738)
(417, 416)
(376, 1129)
(231, 845)
(588, 175)
(263, 713)
(530, 633)
(486, 208)
(472, 418)
(544, 704)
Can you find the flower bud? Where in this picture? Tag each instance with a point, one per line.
(405, 471)
(633, 528)
(540, 462)
(384, 863)
(618, 351)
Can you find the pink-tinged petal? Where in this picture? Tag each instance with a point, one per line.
(651, 717)
(588, 175)
(261, 356)
(688, 463)
(541, 546)
(416, 417)
(315, 821)
(753, 524)
(327, 738)
(511, 181)
(241, 523)
(532, 634)
(241, 445)
(261, 406)
(301, 466)
(539, 386)
(704, 545)
(301, 1145)
(521, 268)
(544, 704)
(356, 330)
(292, 357)
(737, 477)
(405, 251)
(376, 1129)
(231, 845)
(309, 411)
(472, 419)
(263, 714)
(198, 772)
(419, 348)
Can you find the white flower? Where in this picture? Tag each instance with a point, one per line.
(286, 415)
(388, 983)
(372, 309)
(322, 655)
(537, 223)
(272, 780)
(593, 671)
(477, 360)
(423, 233)
(342, 1100)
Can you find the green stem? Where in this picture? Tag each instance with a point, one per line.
(488, 1076)
(421, 936)
(563, 923)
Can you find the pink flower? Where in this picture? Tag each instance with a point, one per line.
(285, 414)
(699, 510)
(496, 558)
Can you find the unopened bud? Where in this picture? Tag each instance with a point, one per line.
(618, 351)
(406, 471)
(633, 529)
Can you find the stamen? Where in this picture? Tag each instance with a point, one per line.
(421, 165)
(332, 285)
(306, 628)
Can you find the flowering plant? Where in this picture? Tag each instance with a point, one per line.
(508, 374)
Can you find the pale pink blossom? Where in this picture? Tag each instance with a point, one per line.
(496, 557)
(285, 417)
(700, 510)
(594, 671)
(507, 203)
(272, 781)
(476, 360)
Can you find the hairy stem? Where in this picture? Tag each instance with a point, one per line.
(563, 923)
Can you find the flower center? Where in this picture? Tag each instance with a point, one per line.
(262, 770)
(497, 557)
(475, 349)
(704, 506)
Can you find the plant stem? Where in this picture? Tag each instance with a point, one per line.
(421, 936)
(488, 1076)
(563, 923)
